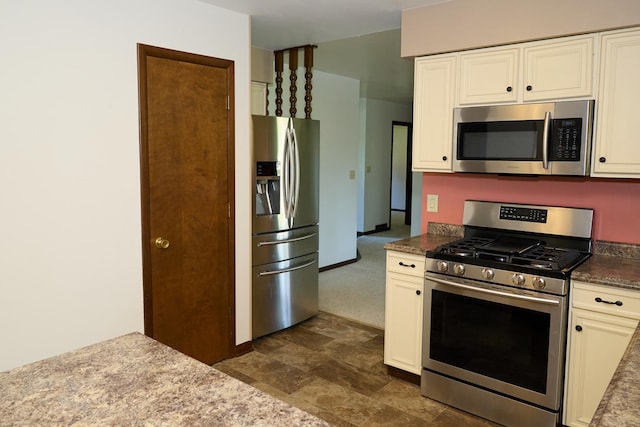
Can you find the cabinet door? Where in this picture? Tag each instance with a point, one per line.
(594, 353)
(433, 113)
(558, 70)
(489, 77)
(259, 98)
(403, 322)
(616, 149)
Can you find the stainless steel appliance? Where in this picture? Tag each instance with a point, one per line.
(534, 139)
(285, 222)
(495, 311)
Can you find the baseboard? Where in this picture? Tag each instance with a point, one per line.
(403, 375)
(379, 228)
(243, 348)
(341, 264)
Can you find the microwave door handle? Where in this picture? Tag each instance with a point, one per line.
(545, 140)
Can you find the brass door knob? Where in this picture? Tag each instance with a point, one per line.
(162, 243)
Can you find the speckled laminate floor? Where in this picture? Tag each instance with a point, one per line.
(333, 368)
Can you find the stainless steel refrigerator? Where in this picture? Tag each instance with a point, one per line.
(285, 222)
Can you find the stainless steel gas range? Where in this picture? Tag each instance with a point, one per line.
(495, 311)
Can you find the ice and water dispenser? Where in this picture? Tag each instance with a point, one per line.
(267, 188)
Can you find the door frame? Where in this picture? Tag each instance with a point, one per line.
(145, 51)
(408, 189)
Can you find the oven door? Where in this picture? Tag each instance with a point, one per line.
(506, 340)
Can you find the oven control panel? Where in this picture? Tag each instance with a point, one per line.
(495, 276)
(514, 213)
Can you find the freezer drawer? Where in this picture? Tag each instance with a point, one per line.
(280, 246)
(284, 293)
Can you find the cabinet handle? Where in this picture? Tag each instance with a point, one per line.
(529, 88)
(602, 159)
(444, 158)
(509, 88)
(402, 264)
(418, 292)
(579, 328)
(604, 301)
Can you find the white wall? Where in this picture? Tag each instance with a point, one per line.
(375, 194)
(70, 253)
(336, 104)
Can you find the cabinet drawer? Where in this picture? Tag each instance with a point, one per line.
(605, 299)
(399, 262)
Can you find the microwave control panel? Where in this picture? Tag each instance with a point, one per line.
(565, 139)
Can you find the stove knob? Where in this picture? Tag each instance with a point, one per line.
(458, 269)
(539, 283)
(488, 274)
(517, 279)
(443, 266)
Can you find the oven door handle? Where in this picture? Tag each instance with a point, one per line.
(494, 292)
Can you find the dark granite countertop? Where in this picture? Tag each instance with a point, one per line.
(134, 380)
(612, 264)
(619, 405)
(437, 234)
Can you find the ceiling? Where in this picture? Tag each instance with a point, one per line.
(355, 38)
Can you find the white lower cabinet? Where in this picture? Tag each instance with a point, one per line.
(403, 311)
(603, 320)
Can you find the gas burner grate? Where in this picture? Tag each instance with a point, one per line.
(464, 247)
(548, 258)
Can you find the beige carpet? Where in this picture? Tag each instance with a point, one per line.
(356, 291)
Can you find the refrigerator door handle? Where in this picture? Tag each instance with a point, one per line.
(286, 270)
(286, 162)
(277, 242)
(296, 167)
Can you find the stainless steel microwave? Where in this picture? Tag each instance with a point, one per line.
(553, 138)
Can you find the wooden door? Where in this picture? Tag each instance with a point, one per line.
(187, 201)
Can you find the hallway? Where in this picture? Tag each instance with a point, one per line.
(356, 291)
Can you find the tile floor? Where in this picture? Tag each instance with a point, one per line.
(333, 368)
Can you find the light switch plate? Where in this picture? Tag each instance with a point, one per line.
(432, 203)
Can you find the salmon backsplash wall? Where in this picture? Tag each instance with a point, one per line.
(616, 202)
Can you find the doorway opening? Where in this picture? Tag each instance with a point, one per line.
(401, 177)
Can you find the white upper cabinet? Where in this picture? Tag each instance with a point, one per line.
(558, 70)
(616, 151)
(537, 71)
(489, 76)
(434, 89)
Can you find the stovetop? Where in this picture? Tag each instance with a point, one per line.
(509, 251)
(532, 247)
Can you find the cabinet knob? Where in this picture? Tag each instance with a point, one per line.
(529, 88)
(602, 159)
(509, 88)
(578, 328)
(418, 292)
(444, 158)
